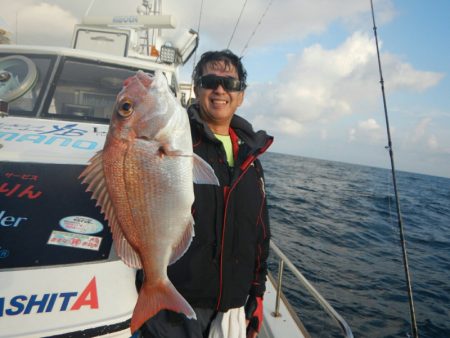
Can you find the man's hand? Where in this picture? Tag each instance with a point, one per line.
(253, 315)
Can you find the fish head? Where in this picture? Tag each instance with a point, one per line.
(141, 108)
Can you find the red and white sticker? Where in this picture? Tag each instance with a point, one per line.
(72, 240)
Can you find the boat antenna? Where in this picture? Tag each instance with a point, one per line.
(237, 23)
(415, 332)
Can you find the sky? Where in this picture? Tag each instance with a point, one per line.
(313, 79)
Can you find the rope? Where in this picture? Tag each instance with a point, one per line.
(237, 23)
(256, 28)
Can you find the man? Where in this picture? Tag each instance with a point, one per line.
(223, 273)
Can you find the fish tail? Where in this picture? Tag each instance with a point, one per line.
(156, 297)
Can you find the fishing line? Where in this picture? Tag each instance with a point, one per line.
(89, 8)
(256, 28)
(389, 195)
(391, 221)
(415, 332)
(198, 32)
(194, 62)
(237, 23)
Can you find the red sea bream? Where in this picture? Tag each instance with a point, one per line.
(143, 181)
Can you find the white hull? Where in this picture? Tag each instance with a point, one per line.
(67, 299)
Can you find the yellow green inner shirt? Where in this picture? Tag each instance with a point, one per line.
(226, 141)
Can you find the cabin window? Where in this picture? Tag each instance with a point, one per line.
(87, 91)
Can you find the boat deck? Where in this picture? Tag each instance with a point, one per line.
(286, 324)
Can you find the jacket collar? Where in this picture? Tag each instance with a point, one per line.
(258, 142)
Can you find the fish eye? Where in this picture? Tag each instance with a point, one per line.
(125, 108)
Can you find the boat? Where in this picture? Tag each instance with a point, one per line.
(59, 273)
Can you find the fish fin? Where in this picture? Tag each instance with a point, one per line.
(123, 248)
(93, 176)
(155, 297)
(185, 241)
(203, 172)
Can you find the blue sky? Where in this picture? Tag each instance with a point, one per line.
(313, 74)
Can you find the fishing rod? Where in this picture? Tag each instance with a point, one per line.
(415, 332)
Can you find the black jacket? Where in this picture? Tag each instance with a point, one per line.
(227, 258)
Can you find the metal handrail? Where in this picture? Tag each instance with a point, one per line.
(311, 289)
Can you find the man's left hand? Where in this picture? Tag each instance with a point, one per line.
(253, 315)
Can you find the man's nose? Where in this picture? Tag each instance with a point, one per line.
(220, 89)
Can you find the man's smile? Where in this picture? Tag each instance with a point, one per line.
(219, 101)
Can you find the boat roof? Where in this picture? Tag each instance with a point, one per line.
(140, 61)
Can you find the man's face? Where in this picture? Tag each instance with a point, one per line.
(217, 106)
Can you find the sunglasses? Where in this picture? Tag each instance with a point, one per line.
(213, 81)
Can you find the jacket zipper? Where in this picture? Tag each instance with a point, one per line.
(227, 191)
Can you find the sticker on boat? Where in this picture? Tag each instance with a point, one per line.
(81, 225)
(79, 241)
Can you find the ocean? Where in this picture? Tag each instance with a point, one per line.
(337, 222)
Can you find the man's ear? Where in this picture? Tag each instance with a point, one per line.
(240, 98)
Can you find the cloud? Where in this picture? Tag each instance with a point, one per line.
(433, 143)
(321, 86)
(367, 131)
(370, 125)
(259, 25)
(402, 75)
(428, 136)
(420, 130)
(352, 135)
(266, 22)
(40, 23)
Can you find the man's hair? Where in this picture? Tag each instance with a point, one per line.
(228, 57)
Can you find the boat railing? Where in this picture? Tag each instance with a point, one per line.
(345, 328)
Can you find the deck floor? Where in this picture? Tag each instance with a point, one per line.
(284, 326)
